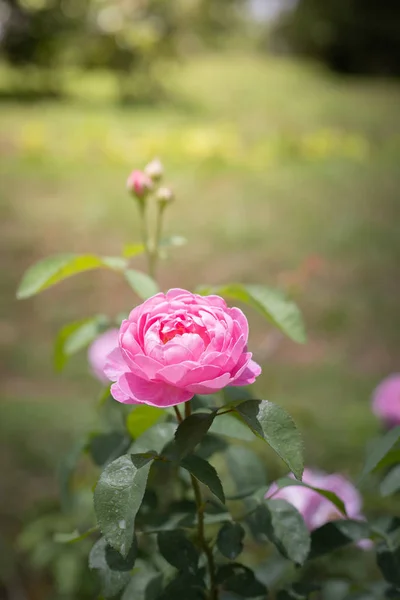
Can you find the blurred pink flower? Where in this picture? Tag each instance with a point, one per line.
(99, 350)
(386, 400)
(178, 344)
(139, 184)
(317, 510)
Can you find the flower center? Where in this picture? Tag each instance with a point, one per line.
(179, 324)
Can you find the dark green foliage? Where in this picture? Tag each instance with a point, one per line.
(241, 580)
(350, 36)
(117, 499)
(112, 581)
(185, 586)
(178, 550)
(272, 423)
(116, 562)
(191, 432)
(204, 472)
(284, 526)
(106, 447)
(337, 534)
(230, 540)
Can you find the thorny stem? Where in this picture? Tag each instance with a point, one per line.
(200, 524)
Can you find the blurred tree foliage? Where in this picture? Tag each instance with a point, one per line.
(130, 37)
(350, 36)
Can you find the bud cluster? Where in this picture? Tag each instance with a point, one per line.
(141, 183)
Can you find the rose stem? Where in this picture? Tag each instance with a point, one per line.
(155, 241)
(200, 522)
(144, 234)
(178, 414)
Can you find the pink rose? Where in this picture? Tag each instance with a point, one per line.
(179, 344)
(315, 509)
(386, 400)
(139, 184)
(98, 351)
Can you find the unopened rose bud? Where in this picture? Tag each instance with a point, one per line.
(155, 169)
(164, 196)
(139, 184)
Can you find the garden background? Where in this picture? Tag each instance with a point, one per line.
(285, 172)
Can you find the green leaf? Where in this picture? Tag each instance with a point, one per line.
(204, 472)
(106, 447)
(273, 424)
(391, 483)
(118, 496)
(185, 586)
(178, 551)
(142, 418)
(241, 580)
(112, 581)
(337, 534)
(232, 427)
(246, 469)
(131, 250)
(284, 526)
(271, 303)
(75, 336)
(155, 438)
(379, 449)
(53, 269)
(141, 283)
(116, 562)
(388, 560)
(331, 496)
(391, 458)
(230, 540)
(191, 431)
(143, 578)
(211, 444)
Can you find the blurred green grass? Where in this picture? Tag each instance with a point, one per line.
(272, 161)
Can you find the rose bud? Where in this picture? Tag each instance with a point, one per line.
(139, 184)
(154, 170)
(99, 351)
(164, 196)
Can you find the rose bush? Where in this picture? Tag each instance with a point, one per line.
(179, 344)
(159, 491)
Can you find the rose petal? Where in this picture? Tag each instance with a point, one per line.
(199, 374)
(152, 393)
(211, 386)
(115, 365)
(147, 366)
(173, 374)
(121, 396)
(248, 375)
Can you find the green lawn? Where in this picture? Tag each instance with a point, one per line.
(272, 161)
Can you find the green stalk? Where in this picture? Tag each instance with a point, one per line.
(200, 518)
